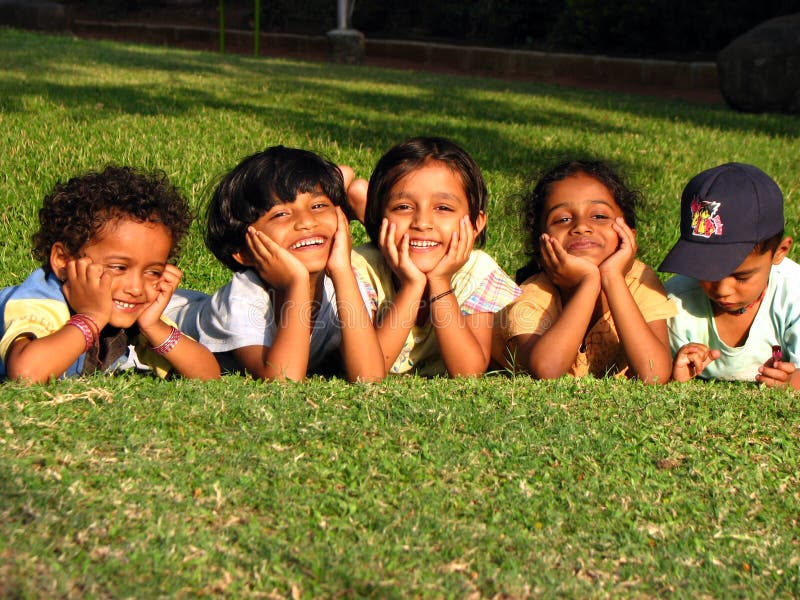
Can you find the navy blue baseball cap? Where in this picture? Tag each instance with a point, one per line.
(725, 212)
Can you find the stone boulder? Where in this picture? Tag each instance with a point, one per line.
(760, 70)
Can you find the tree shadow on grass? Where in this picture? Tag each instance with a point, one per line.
(27, 53)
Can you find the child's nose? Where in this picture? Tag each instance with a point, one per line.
(423, 219)
(581, 225)
(134, 283)
(305, 220)
(722, 288)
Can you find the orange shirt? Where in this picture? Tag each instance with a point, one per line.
(601, 354)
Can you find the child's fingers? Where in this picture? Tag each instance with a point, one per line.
(343, 225)
(383, 232)
(773, 377)
(261, 245)
(466, 238)
(627, 237)
(388, 244)
(172, 272)
(405, 244)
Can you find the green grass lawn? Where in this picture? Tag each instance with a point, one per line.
(500, 486)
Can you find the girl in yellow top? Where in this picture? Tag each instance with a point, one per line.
(587, 305)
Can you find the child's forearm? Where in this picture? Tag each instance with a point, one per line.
(287, 357)
(396, 322)
(40, 359)
(361, 352)
(463, 353)
(551, 355)
(648, 354)
(191, 359)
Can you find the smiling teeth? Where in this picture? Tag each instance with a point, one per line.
(123, 304)
(308, 242)
(423, 243)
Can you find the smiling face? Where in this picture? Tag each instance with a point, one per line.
(579, 212)
(428, 204)
(304, 227)
(135, 254)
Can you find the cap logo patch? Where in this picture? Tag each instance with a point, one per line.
(705, 220)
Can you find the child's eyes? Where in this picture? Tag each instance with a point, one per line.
(601, 217)
(153, 273)
(321, 205)
(397, 207)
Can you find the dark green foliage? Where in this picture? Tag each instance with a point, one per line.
(652, 27)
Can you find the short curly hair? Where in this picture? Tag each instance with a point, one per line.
(75, 212)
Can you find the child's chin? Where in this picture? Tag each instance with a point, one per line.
(123, 321)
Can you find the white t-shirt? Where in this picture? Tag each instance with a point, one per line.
(777, 322)
(242, 313)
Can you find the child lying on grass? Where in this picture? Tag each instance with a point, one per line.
(588, 306)
(96, 303)
(737, 292)
(432, 294)
(293, 305)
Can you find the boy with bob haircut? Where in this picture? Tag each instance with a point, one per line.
(736, 290)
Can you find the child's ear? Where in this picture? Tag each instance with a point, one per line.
(59, 257)
(480, 222)
(244, 258)
(782, 250)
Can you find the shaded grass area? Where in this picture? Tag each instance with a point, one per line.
(411, 487)
(130, 486)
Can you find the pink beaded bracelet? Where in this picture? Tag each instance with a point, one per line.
(169, 343)
(88, 327)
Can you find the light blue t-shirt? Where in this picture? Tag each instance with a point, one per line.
(777, 322)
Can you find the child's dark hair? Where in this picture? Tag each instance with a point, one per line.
(533, 202)
(259, 182)
(75, 212)
(413, 154)
(770, 244)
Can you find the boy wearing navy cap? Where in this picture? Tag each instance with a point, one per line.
(737, 293)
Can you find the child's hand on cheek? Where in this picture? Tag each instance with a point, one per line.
(158, 296)
(275, 264)
(461, 244)
(565, 270)
(339, 258)
(397, 256)
(621, 260)
(87, 288)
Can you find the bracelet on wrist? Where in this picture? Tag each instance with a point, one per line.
(169, 343)
(88, 327)
(440, 296)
